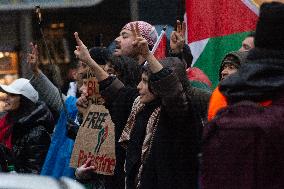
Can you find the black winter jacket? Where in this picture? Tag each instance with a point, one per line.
(31, 139)
(172, 162)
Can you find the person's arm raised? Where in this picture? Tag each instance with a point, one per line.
(83, 54)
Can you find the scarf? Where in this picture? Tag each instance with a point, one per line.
(5, 131)
(149, 136)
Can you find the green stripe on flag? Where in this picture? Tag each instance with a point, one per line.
(210, 59)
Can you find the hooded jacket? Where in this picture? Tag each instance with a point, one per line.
(235, 57)
(243, 144)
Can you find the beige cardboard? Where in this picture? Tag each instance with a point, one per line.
(96, 140)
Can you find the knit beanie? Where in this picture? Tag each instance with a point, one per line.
(235, 57)
(147, 31)
(270, 27)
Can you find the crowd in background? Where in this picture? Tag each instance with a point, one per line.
(172, 130)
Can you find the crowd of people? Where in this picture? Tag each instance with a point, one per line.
(171, 129)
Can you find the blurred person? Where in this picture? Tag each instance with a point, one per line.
(56, 163)
(161, 147)
(101, 55)
(26, 128)
(178, 47)
(125, 68)
(248, 42)
(59, 154)
(243, 144)
(229, 65)
(128, 70)
(69, 75)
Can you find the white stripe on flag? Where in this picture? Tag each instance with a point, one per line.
(197, 48)
(252, 6)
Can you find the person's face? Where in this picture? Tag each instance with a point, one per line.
(145, 95)
(123, 44)
(82, 69)
(11, 102)
(84, 88)
(247, 44)
(228, 70)
(109, 69)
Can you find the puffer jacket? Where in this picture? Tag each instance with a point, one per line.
(31, 139)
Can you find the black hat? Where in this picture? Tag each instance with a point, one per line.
(100, 54)
(270, 27)
(235, 57)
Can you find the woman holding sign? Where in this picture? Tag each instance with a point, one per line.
(161, 128)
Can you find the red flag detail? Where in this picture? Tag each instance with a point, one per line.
(211, 18)
(160, 52)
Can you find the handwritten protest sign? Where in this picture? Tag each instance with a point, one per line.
(91, 84)
(96, 140)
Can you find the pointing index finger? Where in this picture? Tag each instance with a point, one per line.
(78, 40)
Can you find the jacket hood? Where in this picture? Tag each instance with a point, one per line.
(260, 78)
(239, 58)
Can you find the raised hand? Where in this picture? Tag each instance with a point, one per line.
(177, 40)
(81, 52)
(32, 58)
(140, 43)
(82, 104)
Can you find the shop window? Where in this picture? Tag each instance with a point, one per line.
(8, 63)
(57, 45)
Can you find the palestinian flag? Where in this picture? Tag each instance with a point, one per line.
(216, 28)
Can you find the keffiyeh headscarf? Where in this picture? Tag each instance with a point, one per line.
(147, 31)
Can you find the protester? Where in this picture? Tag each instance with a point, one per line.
(160, 142)
(59, 154)
(243, 144)
(128, 71)
(231, 63)
(248, 42)
(26, 128)
(124, 42)
(57, 160)
(178, 47)
(69, 75)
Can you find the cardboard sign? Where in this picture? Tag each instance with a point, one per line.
(96, 140)
(93, 89)
(94, 96)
